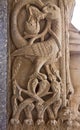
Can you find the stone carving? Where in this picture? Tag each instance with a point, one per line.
(39, 97)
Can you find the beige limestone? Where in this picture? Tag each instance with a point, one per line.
(41, 91)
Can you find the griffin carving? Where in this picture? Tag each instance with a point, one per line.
(41, 44)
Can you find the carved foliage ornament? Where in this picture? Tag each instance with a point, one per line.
(38, 93)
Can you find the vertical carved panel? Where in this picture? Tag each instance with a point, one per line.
(40, 85)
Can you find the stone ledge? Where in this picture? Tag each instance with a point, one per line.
(74, 39)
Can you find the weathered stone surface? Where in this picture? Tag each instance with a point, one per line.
(37, 43)
(3, 63)
(58, 119)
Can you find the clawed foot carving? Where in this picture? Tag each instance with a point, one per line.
(52, 122)
(40, 121)
(28, 121)
(14, 121)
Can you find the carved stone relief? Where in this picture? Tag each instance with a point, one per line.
(40, 83)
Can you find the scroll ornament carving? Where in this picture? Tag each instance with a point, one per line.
(44, 92)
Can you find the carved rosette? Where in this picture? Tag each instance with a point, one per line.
(39, 98)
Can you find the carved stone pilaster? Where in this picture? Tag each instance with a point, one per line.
(41, 87)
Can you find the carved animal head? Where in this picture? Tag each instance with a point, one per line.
(52, 11)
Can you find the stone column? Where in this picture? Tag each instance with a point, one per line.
(3, 63)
